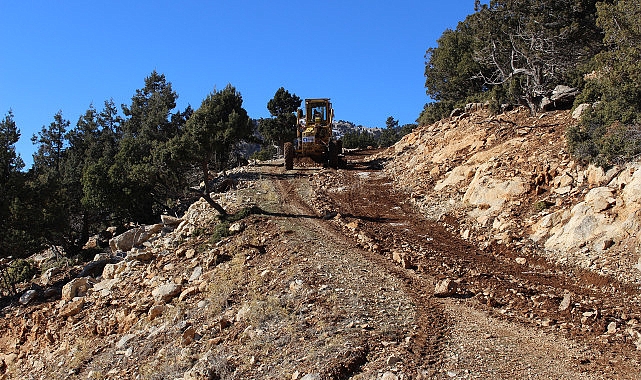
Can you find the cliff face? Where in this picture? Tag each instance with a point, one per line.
(508, 179)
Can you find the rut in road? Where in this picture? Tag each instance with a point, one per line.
(424, 352)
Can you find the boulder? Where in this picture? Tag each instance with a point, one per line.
(76, 288)
(580, 110)
(134, 237)
(28, 296)
(164, 293)
(72, 308)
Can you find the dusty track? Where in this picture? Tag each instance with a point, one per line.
(363, 204)
(425, 351)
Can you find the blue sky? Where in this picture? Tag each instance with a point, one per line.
(367, 56)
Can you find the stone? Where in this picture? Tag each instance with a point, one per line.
(566, 302)
(164, 293)
(170, 221)
(445, 288)
(311, 376)
(389, 376)
(76, 288)
(580, 110)
(72, 308)
(195, 275)
(28, 296)
(155, 311)
(134, 237)
(521, 260)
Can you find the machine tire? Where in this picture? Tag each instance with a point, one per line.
(342, 163)
(288, 151)
(332, 154)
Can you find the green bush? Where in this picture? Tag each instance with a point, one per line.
(15, 272)
(603, 146)
(266, 153)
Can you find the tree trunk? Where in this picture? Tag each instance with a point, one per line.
(205, 195)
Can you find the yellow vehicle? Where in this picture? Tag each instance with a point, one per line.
(314, 136)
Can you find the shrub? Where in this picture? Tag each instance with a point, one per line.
(15, 272)
(266, 153)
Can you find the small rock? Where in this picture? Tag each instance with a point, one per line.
(155, 311)
(311, 376)
(612, 328)
(76, 288)
(164, 293)
(445, 288)
(393, 361)
(389, 376)
(28, 296)
(521, 260)
(72, 308)
(190, 253)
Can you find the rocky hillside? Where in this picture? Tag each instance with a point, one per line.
(509, 179)
(334, 274)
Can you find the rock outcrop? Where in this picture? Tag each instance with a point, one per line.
(509, 179)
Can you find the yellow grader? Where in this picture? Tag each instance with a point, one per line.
(314, 137)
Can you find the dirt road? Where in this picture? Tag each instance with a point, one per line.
(508, 315)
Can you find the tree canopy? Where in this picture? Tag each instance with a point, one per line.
(280, 128)
(211, 133)
(510, 51)
(114, 167)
